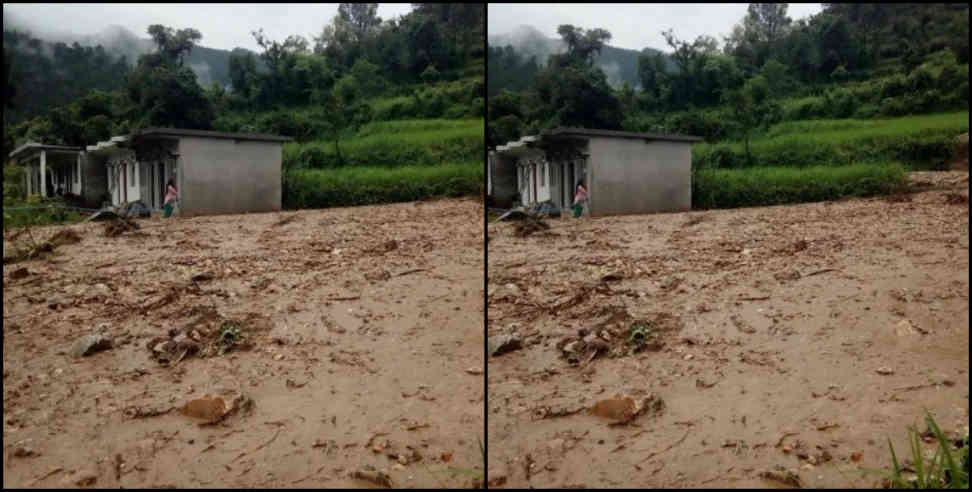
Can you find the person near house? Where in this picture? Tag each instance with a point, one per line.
(171, 195)
(580, 199)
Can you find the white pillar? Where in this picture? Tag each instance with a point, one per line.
(78, 177)
(43, 170)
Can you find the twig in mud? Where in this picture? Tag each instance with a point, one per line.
(676, 443)
(352, 298)
(274, 438)
(755, 298)
(825, 270)
(416, 270)
(48, 474)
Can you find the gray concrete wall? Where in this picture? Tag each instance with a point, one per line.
(221, 175)
(504, 180)
(94, 179)
(631, 176)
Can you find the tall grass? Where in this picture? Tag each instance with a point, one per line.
(948, 468)
(926, 141)
(394, 143)
(762, 186)
(348, 186)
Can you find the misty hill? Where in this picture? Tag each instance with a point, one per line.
(619, 64)
(209, 64)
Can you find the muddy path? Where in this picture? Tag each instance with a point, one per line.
(793, 340)
(363, 348)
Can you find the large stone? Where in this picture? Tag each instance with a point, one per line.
(500, 344)
(90, 344)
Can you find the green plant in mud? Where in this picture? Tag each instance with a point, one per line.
(948, 467)
(230, 335)
(641, 334)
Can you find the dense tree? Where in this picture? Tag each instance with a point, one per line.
(162, 91)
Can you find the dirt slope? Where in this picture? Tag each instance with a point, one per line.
(363, 323)
(794, 336)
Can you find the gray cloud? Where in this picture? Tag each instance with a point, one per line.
(223, 26)
(632, 26)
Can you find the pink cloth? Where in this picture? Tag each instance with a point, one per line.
(581, 195)
(170, 194)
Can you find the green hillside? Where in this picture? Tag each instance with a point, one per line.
(368, 102)
(827, 100)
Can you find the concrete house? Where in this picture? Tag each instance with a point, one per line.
(215, 172)
(625, 172)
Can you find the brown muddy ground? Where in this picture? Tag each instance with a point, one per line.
(795, 336)
(363, 325)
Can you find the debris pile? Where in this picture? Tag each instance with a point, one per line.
(529, 225)
(618, 335)
(119, 226)
(210, 334)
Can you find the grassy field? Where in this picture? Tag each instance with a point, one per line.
(367, 185)
(763, 186)
(422, 142)
(387, 161)
(921, 142)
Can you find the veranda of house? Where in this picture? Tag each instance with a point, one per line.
(49, 168)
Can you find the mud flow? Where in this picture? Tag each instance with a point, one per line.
(331, 348)
(763, 347)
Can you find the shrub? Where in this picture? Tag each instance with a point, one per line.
(319, 188)
(763, 186)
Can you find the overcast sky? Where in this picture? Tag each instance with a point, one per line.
(223, 26)
(632, 26)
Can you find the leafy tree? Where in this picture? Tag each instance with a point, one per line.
(173, 45)
(752, 109)
(162, 91)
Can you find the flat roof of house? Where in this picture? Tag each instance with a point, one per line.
(620, 134)
(39, 146)
(177, 132)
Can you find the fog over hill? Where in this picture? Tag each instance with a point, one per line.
(619, 64)
(209, 64)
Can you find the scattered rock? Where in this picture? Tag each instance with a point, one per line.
(374, 476)
(623, 409)
(213, 409)
(497, 477)
(475, 371)
(202, 277)
(501, 344)
(19, 273)
(786, 477)
(904, 328)
(856, 456)
(90, 344)
(885, 371)
(25, 452)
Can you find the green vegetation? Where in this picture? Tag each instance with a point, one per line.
(850, 60)
(394, 143)
(947, 469)
(926, 142)
(366, 97)
(317, 188)
(761, 186)
(842, 103)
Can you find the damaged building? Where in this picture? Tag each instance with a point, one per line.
(214, 172)
(625, 172)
